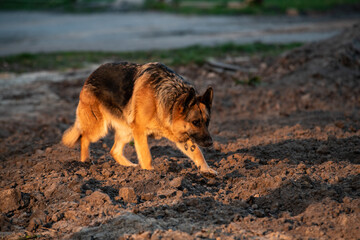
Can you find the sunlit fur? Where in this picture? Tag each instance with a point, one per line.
(138, 101)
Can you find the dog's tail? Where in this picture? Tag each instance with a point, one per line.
(71, 136)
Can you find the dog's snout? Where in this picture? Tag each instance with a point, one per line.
(205, 142)
(208, 142)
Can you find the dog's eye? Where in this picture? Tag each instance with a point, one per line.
(196, 123)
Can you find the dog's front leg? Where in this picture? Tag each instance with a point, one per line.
(192, 150)
(142, 150)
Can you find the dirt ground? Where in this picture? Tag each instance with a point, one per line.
(286, 136)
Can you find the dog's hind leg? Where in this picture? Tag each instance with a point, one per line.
(91, 123)
(192, 150)
(122, 137)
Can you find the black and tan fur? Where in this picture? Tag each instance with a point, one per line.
(138, 101)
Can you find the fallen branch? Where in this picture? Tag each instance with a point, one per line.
(217, 66)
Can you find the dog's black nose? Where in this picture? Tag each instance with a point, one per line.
(201, 140)
(207, 142)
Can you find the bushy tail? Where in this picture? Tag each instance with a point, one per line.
(71, 136)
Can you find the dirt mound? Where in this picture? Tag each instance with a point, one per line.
(286, 149)
(337, 53)
(321, 75)
(323, 71)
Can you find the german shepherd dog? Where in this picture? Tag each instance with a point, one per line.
(138, 101)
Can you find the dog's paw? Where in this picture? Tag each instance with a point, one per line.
(124, 162)
(148, 167)
(209, 172)
(132, 165)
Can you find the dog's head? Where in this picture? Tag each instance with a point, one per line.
(191, 117)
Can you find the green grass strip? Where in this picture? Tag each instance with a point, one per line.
(195, 54)
(268, 7)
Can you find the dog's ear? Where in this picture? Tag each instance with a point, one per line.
(190, 98)
(207, 98)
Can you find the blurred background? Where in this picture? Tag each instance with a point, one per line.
(73, 33)
(293, 7)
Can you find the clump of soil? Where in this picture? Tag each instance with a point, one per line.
(286, 149)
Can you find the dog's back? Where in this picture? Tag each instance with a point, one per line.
(113, 84)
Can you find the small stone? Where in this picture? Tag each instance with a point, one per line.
(193, 202)
(212, 182)
(340, 124)
(277, 235)
(38, 218)
(344, 220)
(82, 172)
(176, 182)
(107, 173)
(39, 152)
(166, 193)
(5, 223)
(48, 150)
(306, 184)
(274, 206)
(128, 194)
(347, 200)
(71, 214)
(147, 196)
(88, 192)
(323, 149)
(181, 207)
(306, 97)
(252, 185)
(259, 213)
(242, 203)
(301, 166)
(331, 138)
(106, 165)
(50, 190)
(75, 185)
(309, 171)
(145, 235)
(57, 217)
(10, 200)
(179, 194)
(135, 210)
(93, 169)
(97, 198)
(254, 206)
(34, 223)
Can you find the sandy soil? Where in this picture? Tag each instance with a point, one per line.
(287, 149)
